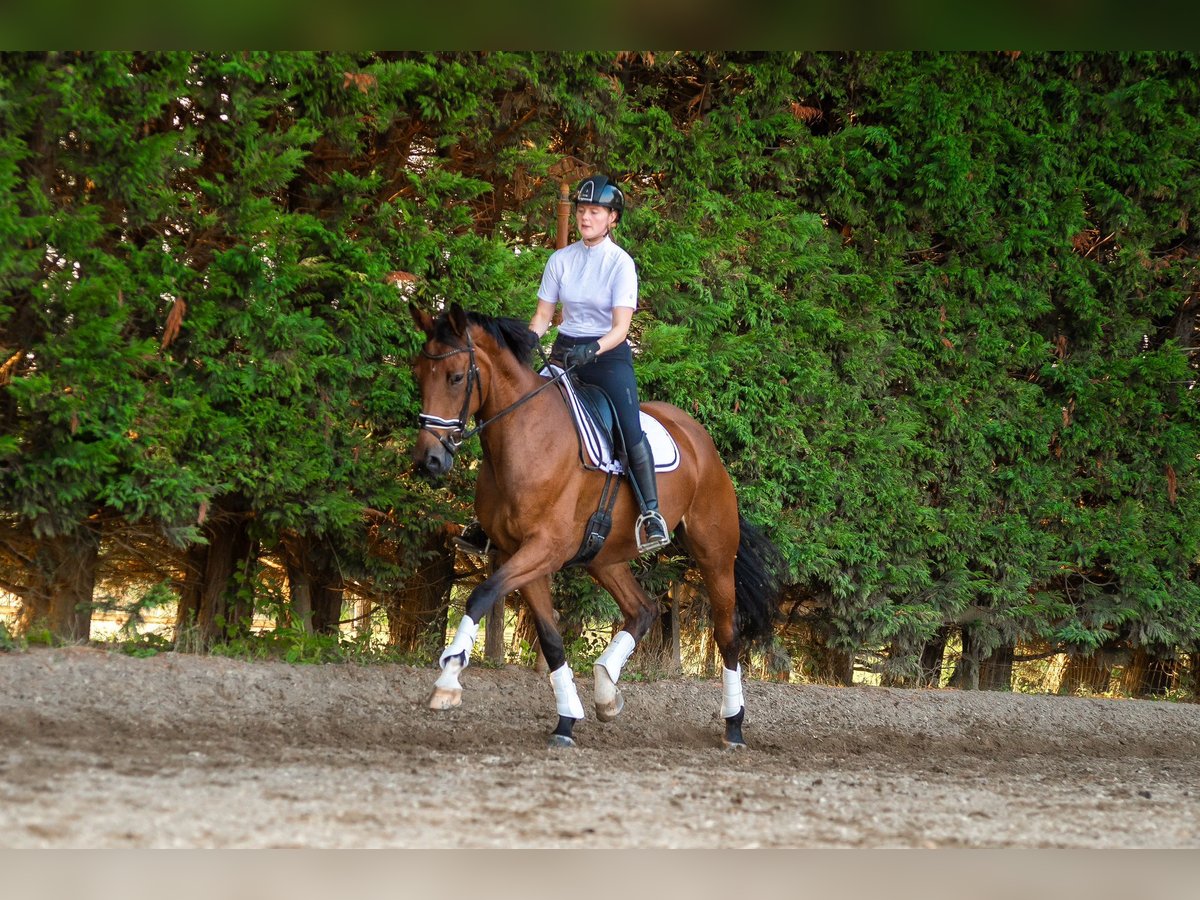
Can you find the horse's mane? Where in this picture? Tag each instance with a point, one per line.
(508, 332)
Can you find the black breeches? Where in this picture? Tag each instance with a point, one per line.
(613, 373)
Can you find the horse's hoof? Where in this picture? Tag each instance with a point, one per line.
(606, 712)
(559, 742)
(609, 701)
(444, 698)
(733, 746)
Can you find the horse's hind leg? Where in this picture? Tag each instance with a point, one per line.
(639, 613)
(721, 600)
(536, 595)
(715, 560)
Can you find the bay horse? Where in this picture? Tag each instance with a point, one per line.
(533, 496)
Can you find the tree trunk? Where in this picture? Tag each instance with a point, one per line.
(212, 607)
(190, 591)
(493, 634)
(710, 655)
(327, 604)
(833, 666)
(932, 658)
(965, 676)
(315, 585)
(300, 588)
(672, 615)
(888, 677)
(841, 664)
(416, 611)
(822, 662)
(1091, 672)
(659, 646)
(64, 578)
(228, 545)
(362, 617)
(995, 670)
(239, 613)
(526, 631)
(1148, 674)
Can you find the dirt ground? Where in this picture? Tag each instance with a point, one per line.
(102, 750)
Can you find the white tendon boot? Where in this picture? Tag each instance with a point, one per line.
(606, 671)
(447, 691)
(566, 697)
(566, 700)
(731, 692)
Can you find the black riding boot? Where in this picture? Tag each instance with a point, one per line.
(640, 463)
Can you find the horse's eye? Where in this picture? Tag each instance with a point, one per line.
(457, 378)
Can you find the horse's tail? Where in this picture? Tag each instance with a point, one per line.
(758, 577)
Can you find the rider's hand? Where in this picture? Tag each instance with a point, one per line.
(582, 354)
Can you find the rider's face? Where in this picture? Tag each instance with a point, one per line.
(593, 221)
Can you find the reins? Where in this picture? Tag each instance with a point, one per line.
(450, 441)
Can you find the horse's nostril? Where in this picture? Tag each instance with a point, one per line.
(434, 464)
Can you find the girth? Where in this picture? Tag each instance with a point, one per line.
(599, 524)
(598, 407)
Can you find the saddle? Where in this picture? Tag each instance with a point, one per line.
(598, 430)
(595, 422)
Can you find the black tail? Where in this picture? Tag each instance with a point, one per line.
(758, 577)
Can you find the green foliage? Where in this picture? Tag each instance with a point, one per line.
(40, 635)
(869, 281)
(8, 642)
(294, 645)
(142, 646)
(932, 307)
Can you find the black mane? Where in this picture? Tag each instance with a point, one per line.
(514, 334)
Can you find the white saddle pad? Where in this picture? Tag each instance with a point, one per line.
(598, 446)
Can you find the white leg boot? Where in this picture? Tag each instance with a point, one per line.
(447, 691)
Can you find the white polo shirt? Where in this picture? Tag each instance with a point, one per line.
(589, 282)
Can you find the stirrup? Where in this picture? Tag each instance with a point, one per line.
(650, 543)
(471, 547)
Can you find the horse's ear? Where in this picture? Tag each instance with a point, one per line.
(458, 319)
(423, 319)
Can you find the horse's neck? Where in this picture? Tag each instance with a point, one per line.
(521, 438)
(507, 383)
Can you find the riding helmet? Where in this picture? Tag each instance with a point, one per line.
(600, 190)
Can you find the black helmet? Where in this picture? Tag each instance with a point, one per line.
(600, 190)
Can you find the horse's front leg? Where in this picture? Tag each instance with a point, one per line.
(526, 565)
(447, 690)
(536, 595)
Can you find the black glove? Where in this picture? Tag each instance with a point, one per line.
(581, 355)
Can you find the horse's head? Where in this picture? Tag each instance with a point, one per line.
(448, 376)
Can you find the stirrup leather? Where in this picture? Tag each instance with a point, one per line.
(650, 542)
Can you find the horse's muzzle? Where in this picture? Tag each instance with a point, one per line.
(434, 461)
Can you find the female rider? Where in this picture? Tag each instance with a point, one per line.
(596, 283)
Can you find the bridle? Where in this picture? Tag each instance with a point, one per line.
(456, 430)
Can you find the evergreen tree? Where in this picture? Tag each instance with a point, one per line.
(936, 309)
